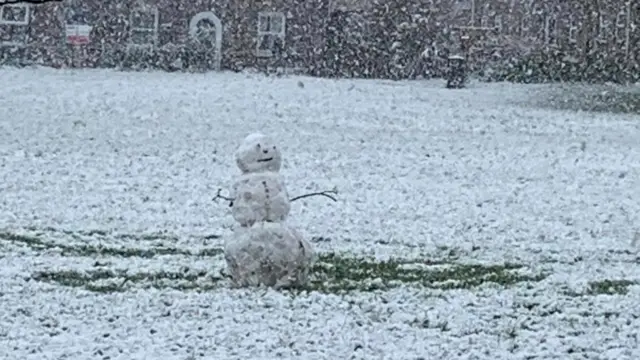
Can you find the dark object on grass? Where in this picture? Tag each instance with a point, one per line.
(456, 72)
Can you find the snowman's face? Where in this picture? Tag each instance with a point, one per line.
(258, 153)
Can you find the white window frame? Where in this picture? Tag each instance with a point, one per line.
(498, 23)
(630, 26)
(621, 26)
(573, 29)
(27, 14)
(24, 23)
(539, 27)
(463, 5)
(267, 16)
(525, 25)
(484, 20)
(550, 33)
(156, 25)
(604, 28)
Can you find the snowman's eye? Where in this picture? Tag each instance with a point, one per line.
(274, 147)
(258, 146)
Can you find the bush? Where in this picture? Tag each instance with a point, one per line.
(556, 66)
(167, 58)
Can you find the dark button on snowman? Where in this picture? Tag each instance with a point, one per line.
(264, 250)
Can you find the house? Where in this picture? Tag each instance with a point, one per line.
(489, 31)
(213, 33)
(311, 34)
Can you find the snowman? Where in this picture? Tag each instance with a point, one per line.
(264, 250)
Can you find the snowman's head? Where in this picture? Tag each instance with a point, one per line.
(258, 153)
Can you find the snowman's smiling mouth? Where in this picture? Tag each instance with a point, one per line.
(265, 160)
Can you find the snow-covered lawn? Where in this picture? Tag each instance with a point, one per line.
(467, 227)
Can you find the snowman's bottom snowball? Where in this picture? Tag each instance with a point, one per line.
(269, 254)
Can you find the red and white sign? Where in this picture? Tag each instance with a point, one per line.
(78, 34)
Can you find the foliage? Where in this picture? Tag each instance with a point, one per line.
(384, 42)
(592, 98)
(400, 29)
(543, 66)
(347, 51)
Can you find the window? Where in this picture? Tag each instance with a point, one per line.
(525, 25)
(497, 23)
(14, 14)
(604, 28)
(550, 27)
(464, 5)
(78, 12)
(487, 16)
(484, 20)
(15, 17)
(271, 34)
(539, 24)
(79, 20)
(144, 27)
(621, 26)
(573, 30)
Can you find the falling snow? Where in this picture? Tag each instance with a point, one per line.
(495, 221)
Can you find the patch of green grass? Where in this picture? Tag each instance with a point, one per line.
(612, 99)
(98, 233)
(609, 287)
(335, 273)
(37, 243)
(108, 281)
(332, 273)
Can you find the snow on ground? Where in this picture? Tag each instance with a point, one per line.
(102, 170)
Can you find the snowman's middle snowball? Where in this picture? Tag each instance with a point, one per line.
(260, 197)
